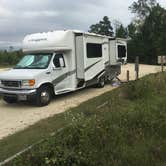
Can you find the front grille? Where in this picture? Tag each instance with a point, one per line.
(15, 84)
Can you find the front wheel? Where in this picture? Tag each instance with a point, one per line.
(9, 100)
(43, 96)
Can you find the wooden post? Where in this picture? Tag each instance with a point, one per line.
(162, 64)
(162, 61)
(137, 67)
(128, 75)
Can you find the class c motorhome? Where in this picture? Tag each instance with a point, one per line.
(58, 62)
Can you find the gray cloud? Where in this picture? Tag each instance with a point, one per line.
(18, 18)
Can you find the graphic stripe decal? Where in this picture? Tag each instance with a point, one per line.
(98, 74)
(91, 66)
(63, 77)
(107, 63)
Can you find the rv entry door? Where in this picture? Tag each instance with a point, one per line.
(60, 73)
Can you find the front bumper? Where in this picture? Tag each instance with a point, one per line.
(20, 94)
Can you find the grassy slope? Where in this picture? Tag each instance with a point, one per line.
(128, 129)
(9, 146)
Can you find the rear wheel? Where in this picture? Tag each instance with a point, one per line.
(9, 100)
(43, 96)
(101, 82)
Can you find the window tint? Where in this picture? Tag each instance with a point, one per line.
(56, 60)
(121, 51)
(94, 50)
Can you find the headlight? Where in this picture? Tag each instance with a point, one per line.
(28, 82)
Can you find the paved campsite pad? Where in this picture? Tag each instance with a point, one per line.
(19, 116)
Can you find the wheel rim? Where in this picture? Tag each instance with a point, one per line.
(102, 82)
(45, 97)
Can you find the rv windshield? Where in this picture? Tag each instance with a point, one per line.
(34, 61)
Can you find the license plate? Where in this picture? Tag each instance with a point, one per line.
(22, 97)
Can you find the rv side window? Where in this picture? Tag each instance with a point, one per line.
(94, 50)
(121, 51)
(57, 61)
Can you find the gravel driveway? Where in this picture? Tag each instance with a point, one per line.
(16, 117)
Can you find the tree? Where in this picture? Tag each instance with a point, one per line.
(104, 27)
(121, 32)
(131, 30)
(10, 58)
(149, 41)
(154, 33)
(142, 8)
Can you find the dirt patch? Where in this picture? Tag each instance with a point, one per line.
(19, 116)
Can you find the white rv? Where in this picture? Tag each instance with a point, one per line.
(59, 62)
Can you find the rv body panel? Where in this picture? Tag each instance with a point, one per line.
(93, 64)
(50, 41)
(113, 52)
(121, 50)
(89, 65)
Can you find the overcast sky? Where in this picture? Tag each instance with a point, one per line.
(21, 17)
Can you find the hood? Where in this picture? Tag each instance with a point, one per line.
(20, 74)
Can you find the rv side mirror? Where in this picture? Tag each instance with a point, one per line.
(61, 62)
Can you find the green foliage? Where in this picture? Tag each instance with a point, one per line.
(103, 27)
(148, 36)
(154, 31)
(121, 32)
(129, 130)
(142, 7)
(131, 30)
(146, 87)
(10, 58)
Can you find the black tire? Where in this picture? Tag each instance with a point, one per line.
(101, 82)
(10, 100)
(43, 96)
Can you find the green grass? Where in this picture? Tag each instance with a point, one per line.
(41, 130)
(123, 127)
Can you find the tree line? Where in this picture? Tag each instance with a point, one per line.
(10, 58)
(146, 33)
